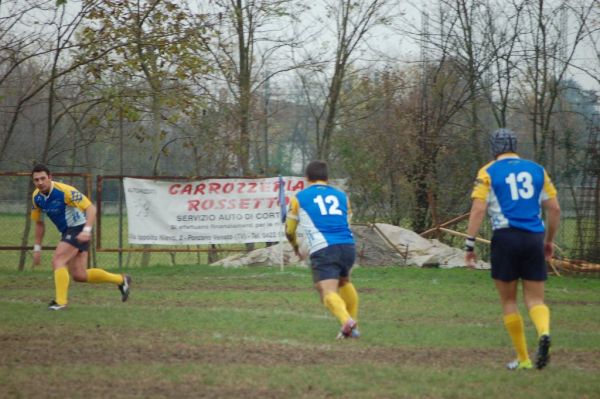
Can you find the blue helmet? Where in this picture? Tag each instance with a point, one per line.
(503, 140)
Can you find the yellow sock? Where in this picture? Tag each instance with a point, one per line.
(514, 325)
(336, 306)
(102, 276)
(540, 315)
(61, 285)
(350, 296)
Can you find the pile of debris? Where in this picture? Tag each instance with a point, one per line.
(377, 244)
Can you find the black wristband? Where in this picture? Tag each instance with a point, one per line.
(470, 244)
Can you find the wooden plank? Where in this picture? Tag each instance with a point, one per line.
(445, 224)
(459, 234)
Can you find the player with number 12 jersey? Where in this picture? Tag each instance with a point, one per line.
(323, 212)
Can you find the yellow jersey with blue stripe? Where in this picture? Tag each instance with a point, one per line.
(64, 205)
(323, 212)
(514, 189)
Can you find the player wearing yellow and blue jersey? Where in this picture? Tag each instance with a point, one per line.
(323, 213)
(74, 215)
(514, 191)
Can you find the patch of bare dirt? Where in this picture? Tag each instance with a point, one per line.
(572, 302)
(48, 348)
(98, 348)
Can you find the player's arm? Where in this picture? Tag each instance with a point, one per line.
(90, 217)
(349, 211)
(476, 216)
(76, 199)
(479, 195)
(40, 229)
(552, 210)
(291, 225)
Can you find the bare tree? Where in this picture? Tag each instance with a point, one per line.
(246, 50)
(46, 46)
(353, 22)
(548, 53)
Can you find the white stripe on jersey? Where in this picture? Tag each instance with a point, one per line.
(316, 239)
(74, 217)
(498, 219)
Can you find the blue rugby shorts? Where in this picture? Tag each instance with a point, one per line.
(70, 237)
(332, 262)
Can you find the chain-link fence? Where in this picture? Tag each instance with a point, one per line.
(16, 228)
(17, 231)
(109, 249)
(567, 239)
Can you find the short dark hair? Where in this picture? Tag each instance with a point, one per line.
(40, 168)
(316, 170)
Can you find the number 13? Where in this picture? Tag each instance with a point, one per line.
(523, 190)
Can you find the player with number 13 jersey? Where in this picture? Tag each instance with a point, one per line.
(514, 192)
(514, 189)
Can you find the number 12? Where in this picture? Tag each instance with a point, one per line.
(333, 207)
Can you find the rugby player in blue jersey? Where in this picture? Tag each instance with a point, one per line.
(514, 191)
(323, 213)
(74, 215)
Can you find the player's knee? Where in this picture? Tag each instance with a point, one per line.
(530, 303)
(57, 262)
(80, 277)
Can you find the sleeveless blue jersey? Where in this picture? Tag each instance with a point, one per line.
(514, 189)
(322, 211)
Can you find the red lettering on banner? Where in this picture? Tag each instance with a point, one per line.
(199, 205)
(193, 205)
(187, 189)
(200, 189)
(173, 188)
(240, 187)
(228, 187)
(213, 188)
(299, 186)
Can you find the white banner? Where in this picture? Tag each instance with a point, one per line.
(213, 211)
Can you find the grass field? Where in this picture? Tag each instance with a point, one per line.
(198, 331)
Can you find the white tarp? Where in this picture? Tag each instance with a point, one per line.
(372, 250)
(212, 211)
